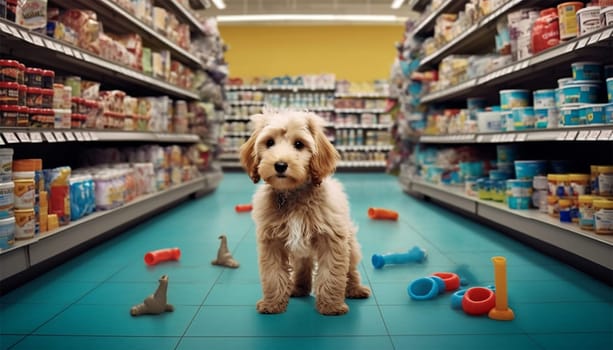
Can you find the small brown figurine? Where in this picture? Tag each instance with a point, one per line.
(155, 303)
(224, 257)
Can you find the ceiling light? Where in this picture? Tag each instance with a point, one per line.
(220, 4)
(326, 18)
(397, 3)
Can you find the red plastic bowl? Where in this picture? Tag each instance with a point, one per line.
(478, 301)
(452, 280)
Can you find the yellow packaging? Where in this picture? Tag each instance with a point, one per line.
(25, 223)
(24, 193)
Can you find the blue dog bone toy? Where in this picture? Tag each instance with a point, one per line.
(414, 254)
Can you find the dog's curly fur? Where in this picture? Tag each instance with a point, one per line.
(301, 214)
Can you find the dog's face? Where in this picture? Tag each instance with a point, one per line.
(288, 149)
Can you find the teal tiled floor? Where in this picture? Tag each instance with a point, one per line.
(84, 304)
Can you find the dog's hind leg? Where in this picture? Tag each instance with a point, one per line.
(303, 276)
(355, 289)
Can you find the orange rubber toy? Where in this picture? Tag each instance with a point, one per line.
(382, 214)
(156, 256)
(241, 208)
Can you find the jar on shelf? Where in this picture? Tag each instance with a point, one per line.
(34, 77)
(564, 206)
(603, 216)
(605, 180)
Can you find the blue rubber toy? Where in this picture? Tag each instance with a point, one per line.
(414, 254)
(426, 288)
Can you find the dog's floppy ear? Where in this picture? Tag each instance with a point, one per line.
(248, 155)
(325, 156)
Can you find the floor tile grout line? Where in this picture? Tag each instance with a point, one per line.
(210, 290)
(69, 305)
(389, 335)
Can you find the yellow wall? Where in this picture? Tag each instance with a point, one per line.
(358, 53)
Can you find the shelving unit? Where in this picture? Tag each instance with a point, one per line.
(27, 254)
(44, 250)
(588, 250)
(537, 225)
(121, 20)
(241, 109)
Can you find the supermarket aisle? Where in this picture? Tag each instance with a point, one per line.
(85, 303)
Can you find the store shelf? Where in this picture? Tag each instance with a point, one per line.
(247, 103)
(476, 38)
(115, 17)
(566, 236)
(426, 25)
(364, 148)
(578, 133)
(363, 126)
(372, 95)
(361, 164)
(184, 14)
(289, 88)
(578, 48)
(35, 135)
(52, 53)
(28, 253)
(361, 110)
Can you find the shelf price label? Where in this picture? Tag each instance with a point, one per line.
(23, 137)
(15, 32)
(49, 136)
(571, 135)
(593, 135)
(582, 136)
(10, 137)
(79, 136)
(5, 28)
(69, 136)
(25, 36)
(35, 137)
(562, 136)
(1, 141)
(521, 137)
(605, 135)
(59, 137)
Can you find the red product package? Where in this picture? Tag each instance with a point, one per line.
(546, 30)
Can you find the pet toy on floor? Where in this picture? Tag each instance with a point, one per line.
(224, 257)
(155, 303)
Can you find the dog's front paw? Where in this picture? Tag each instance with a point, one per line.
(266, 307)
(358, 292)
(332, 309)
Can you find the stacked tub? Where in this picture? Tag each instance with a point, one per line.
(580, 97)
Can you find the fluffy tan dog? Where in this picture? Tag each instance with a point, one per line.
(301, 214)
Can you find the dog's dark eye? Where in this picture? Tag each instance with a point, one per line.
(270, 143)
(298, 145)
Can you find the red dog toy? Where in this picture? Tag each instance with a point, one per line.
(382, 214)
(156, 256)
(241, 208)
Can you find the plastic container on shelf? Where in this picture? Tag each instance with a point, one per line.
(585, 91)
(6, 164)
(558, 185)
(608, 113)
(523, 118)
(488, 121)
(544, 98)
(25, 223)
(552, 206)
(519, 193)
(590, 71)
(7, 199)
(567, 14)
(586, 211)
(546, 117)
(588, 19)
(514, 98)
(610, 89)
(570, 115)
(603, 216)
(9, 93)
(593, 113)
(7, 232)
(11, 71)
(605, 180)
(578, 184)
(527, 169)
(25, 189)
(564, 206)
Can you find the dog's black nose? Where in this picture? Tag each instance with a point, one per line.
(280, 167)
